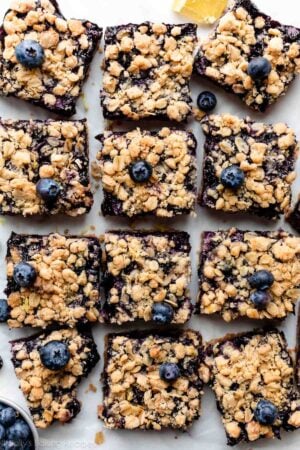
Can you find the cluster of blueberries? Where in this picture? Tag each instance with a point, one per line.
(15, 433)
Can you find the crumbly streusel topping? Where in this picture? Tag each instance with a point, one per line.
(51, 394)
(134, 394)
(68, 46)
(147, 69)
(298, 351)
(171, 188)
(145, 268)
(265, 153)
(227, 260)
(30, 150)
(244, 369)
(241, 34)
(66, 289)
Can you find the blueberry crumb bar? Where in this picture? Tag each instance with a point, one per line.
(293, 216)
(151, 380)
(44, 168)
(248, 166)
(252, 376)
(251, 55)
(145, 273)
(145, 172)
(52, 279)
(49, 367)
(45, 58)
(254, 274)
(147, 69)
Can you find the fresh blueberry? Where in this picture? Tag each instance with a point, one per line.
(259, 68)
(30, 54)
(140, 171)
(10, 445)
(55, 355)
(260, 299)
(262, 279)
(48, 190)
(162, 313)
(206, 101)
(24, 274)
(232, 177)
(169, 372)
(19, 431)
(265, 412)
(8, 416)
(2, 432)
(1, 363)
(4, 311)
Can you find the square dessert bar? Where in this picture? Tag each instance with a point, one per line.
(147, 69)
(251, 55)
(228, 262)
(147, 172)
(66, 49)
(151, 380)
(252, 376)
(36, 150)
(248, 166)
(64, 288)
(142, 270)
(51, 391)
(293, 216)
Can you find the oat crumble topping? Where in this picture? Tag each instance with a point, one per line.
(34, 149)
(244, 33)
(142, 268)
(147, 69)
(265, 153)
(227, 260)
(243, 369)
(51, 395)
(134, 394)
(69, 46)
(66, 290)
(171, 188)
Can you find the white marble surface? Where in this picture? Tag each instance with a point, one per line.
(207, 433)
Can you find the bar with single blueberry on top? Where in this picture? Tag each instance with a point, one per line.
(151, 380)
(252, 376)
(148, 173)
(52, 279)
(147, 69)
(146, 275)
(45, 58)
(251, 55)
(45, 168)
(50, 366)
(248, 166)
(253, 274)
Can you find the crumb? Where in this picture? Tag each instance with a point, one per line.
(198, 114)
(91, 388)
(99, 438)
